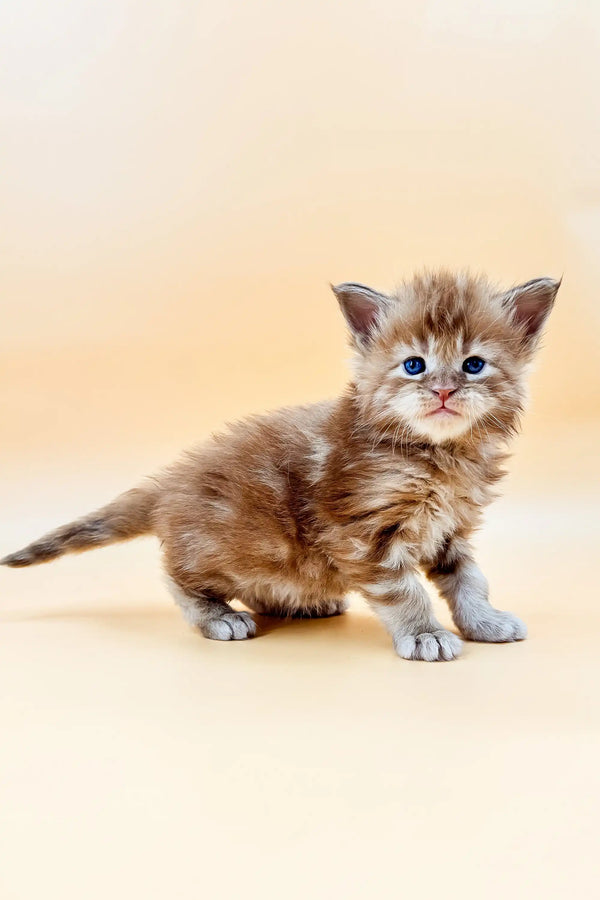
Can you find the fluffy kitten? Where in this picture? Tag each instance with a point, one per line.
(289, 512)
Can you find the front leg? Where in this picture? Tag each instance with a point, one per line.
(465, 588)
(404, 608)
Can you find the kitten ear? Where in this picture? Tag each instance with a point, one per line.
(363, 309)
(530, 305)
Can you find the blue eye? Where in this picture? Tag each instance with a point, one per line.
(473, 365)
(414, 365)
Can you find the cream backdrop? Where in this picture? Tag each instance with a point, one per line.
(180, 182)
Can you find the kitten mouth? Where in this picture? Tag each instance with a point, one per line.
(443, 410)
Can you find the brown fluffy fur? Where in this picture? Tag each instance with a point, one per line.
(289, 512)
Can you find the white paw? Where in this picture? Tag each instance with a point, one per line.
(233, 626)
(430, 646)
(494, 626)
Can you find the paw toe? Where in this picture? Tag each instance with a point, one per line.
(235, 626)
(426, 647)
(450, 645)
(429, 646)
(520, 629)
(217, 630)
(496, 627)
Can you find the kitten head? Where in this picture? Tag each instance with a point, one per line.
(445, 358)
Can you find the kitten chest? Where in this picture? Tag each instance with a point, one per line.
(431, 512)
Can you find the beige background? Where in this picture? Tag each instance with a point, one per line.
(180, 181)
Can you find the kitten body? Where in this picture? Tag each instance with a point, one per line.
(289, 512)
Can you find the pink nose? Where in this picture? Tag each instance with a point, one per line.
(443, 393)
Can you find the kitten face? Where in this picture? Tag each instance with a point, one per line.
(444, 359)
(444, 399)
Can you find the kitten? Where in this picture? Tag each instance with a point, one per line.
(288, 512)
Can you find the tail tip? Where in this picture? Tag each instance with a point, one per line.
(17, 560)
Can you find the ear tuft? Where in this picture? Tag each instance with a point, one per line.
(530, 304)
(363, 309)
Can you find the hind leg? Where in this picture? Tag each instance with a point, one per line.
(216, 619)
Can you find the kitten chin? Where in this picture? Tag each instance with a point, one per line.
(291, 511)
(440, 427)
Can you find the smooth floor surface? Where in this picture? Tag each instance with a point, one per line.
(140, 760)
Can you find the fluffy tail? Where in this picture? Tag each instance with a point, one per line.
(126, 517)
